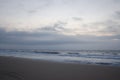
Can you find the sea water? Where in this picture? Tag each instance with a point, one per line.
(98, 57)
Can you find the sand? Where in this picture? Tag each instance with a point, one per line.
(12, 68)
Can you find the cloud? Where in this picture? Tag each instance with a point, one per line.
(34, 38)
(54, 40)
(38, 5)
(57, 27)
(77, 18)
(117, 16)
(109, 27)
(116, 1)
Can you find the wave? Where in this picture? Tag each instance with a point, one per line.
(108, 57)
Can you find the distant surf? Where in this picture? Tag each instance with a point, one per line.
(98, 57)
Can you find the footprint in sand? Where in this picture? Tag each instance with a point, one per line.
(10, 76)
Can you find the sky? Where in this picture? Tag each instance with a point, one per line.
(60, 24)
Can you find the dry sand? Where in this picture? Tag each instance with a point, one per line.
(30, 69)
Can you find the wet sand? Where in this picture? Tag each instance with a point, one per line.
(12, 68)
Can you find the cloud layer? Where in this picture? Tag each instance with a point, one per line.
(54, 40)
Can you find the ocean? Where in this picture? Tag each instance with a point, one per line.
(96, 57)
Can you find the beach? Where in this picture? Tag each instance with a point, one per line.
(14, 68)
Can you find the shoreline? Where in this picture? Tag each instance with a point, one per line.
(34, 69)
